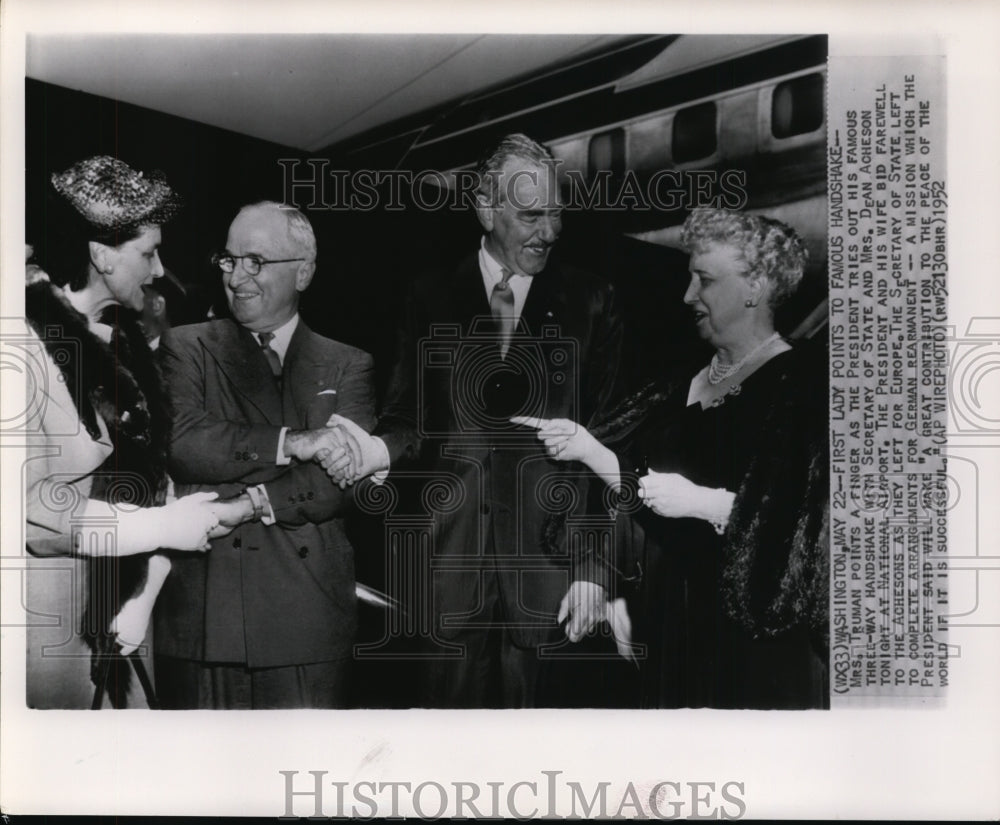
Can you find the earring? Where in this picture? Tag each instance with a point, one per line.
(749, 303)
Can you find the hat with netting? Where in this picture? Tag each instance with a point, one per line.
(111, 195)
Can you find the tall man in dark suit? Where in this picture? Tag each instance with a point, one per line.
(509, 333)
(267, 618)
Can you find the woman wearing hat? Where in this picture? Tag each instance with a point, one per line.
(724, 475)
(96, 483)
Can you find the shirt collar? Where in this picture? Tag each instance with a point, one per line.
(282, 336)
(491, 268)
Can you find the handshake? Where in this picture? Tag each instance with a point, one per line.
(342, 448)
(345, 451)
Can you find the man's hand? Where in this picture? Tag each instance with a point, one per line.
(231, 513)
(365, 454)
(621, 626)
(585, 605)
(340, 465)
(304, 445)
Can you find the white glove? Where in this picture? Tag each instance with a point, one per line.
(129, 626)
(183, 524)
(671, 495)
(564, 440)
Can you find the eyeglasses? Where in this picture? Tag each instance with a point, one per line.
(251, 263)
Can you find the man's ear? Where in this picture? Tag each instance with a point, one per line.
(100, 256)
(159, 306)
(304, 275)
(485, 213)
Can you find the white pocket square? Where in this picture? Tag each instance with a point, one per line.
(327, 392)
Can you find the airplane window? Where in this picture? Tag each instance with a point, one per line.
(607, 151)
(694, 134)
(797, 106)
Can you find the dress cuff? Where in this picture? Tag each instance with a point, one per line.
(381, 475)
(720, 505)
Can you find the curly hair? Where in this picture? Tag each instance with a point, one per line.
(770, 248)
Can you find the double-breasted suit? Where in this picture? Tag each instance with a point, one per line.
(447, 408)
(265, 596)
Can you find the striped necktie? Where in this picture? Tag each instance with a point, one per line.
(273, 361)
(502, 307)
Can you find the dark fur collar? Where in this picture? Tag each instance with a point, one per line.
(119, 378)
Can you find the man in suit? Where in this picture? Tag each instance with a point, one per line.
(267, 618)
(508, 333)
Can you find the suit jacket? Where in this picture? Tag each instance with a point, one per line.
(264, 595)
(446, 412)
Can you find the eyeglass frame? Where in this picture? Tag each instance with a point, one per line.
(218, 257)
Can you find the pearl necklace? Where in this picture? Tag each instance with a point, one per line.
(718, 372)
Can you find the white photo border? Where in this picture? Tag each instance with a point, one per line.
(873, 762)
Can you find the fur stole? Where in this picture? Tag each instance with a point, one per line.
(777, 543)
(120, 382)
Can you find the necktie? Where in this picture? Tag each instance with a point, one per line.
(273, 361)
(502, 307)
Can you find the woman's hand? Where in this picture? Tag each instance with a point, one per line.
(183, 524)
(671, 495)
(186, 524)
(130, 625)
(230, 514)
(564, 440)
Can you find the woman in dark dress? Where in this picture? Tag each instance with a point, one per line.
(728, 474)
